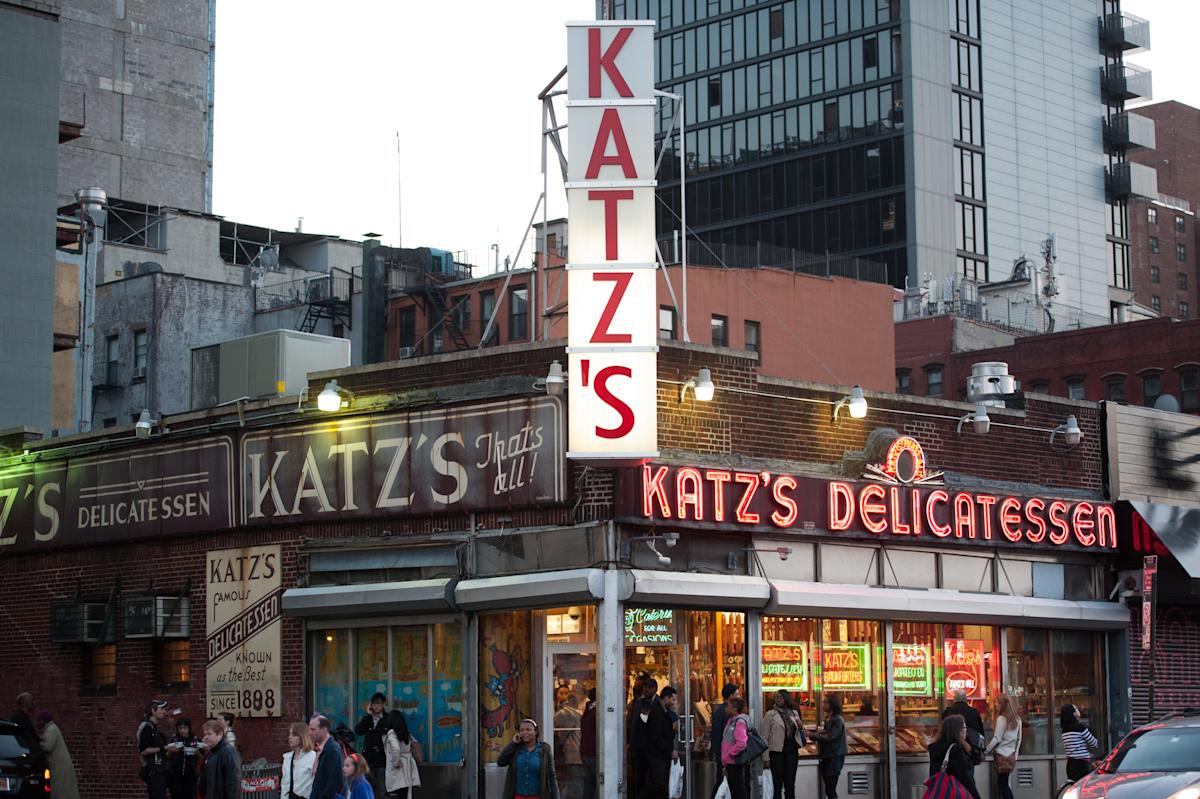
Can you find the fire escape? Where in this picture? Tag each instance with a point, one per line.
(327, 297)
(430, 293)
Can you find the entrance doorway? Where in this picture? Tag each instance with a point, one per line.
(567, 680)
(696, 653)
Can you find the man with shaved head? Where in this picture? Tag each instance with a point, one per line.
(23, 716)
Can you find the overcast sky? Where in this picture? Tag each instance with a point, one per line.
(309, 98)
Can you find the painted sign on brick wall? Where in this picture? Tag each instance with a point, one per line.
(244, 618)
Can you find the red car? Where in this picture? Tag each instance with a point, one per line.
(1158, 761)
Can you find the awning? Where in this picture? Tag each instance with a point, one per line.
(1178, 529)
(906, 604)
(688, 589)
(370, 599)
(536, 590)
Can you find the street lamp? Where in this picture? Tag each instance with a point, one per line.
(332, 396)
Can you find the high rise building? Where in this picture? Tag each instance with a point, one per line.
(967, 140)
(139, 78)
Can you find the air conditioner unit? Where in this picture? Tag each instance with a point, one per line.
(408, 352)
(139, 371)
(78, 622)
(157, 617)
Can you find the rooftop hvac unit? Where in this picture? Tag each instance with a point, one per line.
(275, 363)
(78, 622)
(990, 383)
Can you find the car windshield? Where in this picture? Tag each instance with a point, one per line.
(1161, 749)
(11, 746)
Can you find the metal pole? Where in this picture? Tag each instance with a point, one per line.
(683, 215)
(540, 325)
(610, 699)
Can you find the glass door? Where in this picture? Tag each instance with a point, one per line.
(573, 685)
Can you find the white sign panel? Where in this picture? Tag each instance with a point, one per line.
(244, 620)
(612, 329)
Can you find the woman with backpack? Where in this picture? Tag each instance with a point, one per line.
(733, 741)
(948, 753)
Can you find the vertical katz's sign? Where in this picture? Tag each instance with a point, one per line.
(243, 620)
(611, 328)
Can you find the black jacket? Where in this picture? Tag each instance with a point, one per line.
(960, 766)
(719, 718)
(547, 783)
(969, 714)
(656, 735)
(831, 742)
(372, 730)
(22, 720)
(222, 773)
(328, 781)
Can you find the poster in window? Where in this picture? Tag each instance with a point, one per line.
(504, 689)
(410, 678)
(964, 667)
(447, 694)
(912, 670)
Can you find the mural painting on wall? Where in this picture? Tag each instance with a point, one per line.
(410, 663)
(504, 679)
(447, 696)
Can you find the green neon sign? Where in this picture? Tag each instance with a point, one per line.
(846, 667)
(912, 670)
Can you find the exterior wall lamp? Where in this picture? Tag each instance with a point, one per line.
(854, 402)
(1071, 433)
(701, 385)
(334, 397)
(980, 421)
(145, 425)
(556, 380)
(732, 560)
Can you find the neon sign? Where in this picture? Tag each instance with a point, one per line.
(912, 670)
(964, 667)
(785, 665)
(690, 496)
(649, 627)
(846, 667)
(905, 463)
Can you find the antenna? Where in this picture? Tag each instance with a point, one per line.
(399, 196)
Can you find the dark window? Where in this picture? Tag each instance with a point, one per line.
(1180, 225)
(1153, 274)
(933, 381)
(776, 23)
(666, 322)
(406, 325)
(1151, 388)
(110, 421)
(112, 354)
(1040, 387)
(1184, 311)
(1156, 303)
(714, 92)
(720, 330)
(753, 332)
(1189, 389)
(1114, 389)
(1152, 216)
(1075, 388)
(518, 313)
(174, 662)
(1183, 281)
(903, 381)
(140, 341)
(487, 306)
(831, 120)
(100, 666)
(461, 312)
(1180, 252)
(870, 52)
(1154, 244)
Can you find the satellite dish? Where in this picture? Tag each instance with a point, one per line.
(1167, 402)
(268, 257)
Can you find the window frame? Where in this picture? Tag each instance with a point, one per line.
(904, 387)
(1151, 215)
(1189, 398)
(1145, 376)
(1076, 384)
(939, 370)
(1152, 241)
(1155, 274)
(749, 325)
(719, 322)
(671, 333)
(163, 660)
(141, 352)
(518, 321)
(89, 664)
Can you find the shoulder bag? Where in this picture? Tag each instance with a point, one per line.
(755, 746)
(945, 785)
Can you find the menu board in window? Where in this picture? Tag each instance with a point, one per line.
(912, 670)
(649, 627)
(785, 665)
(964, 667)
(846, 667)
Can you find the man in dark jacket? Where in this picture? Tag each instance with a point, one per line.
(222, 766)
(975, 736)
(656, 739)
(587, 746)
(831, 745)
(23, 716)
(372, 728)
(328, 781)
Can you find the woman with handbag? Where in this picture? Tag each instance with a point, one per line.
(400, 750)
(951, 772)
(785, 739)
(733, 741)
(1006, 743)
(299, 763)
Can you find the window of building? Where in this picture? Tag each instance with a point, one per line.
(1114, 388)
(720, 330)
(1073, 663)
(776, 23)
(174, 662)
(518, 313)
(1183, 281)
(109, 421)
(1156, 303)
(753, 335)
(1180, 225)
(460, 312)
(1189, 389)
(1154, 274)
(903, 381)
(140, 342)
(1180, 252)
(1185, 312)
(933, 381)
(100, 668)
(1151, 388)
(1154, 244)
(1152, 215)
(870, 52)
(406, 326)
(714, 92)
(487, 307)
(112, 363)
(1075, 388)
(666, 322)
(1040, 387)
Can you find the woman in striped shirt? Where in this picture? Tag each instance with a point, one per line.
(1078, 742)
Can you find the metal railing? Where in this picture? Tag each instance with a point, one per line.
(1023, 316)
(745, 256)
(334, 287)
(1175, 203)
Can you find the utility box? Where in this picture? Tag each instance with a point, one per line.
(275, 363)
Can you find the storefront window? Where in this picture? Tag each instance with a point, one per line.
(971, 661)
(1027, 682)
(852, 669)
(917, 683)
(410, 678)
(447, 694)
(370, 671)
(331, 677)
(504, 679)
(788, 648)
(1076, 680)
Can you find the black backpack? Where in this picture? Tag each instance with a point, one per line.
(975, 739)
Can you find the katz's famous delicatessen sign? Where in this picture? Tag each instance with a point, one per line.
(244, 618)
(903, 500)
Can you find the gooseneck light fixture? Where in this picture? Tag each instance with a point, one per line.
(1071, 434)
(854, 402)
(701, 385)
(333, 397)
(670, 539)
(980, 421)
(145, 425)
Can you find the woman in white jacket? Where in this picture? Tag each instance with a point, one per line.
(401, 775)
(298, 764)
(1006, 743)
